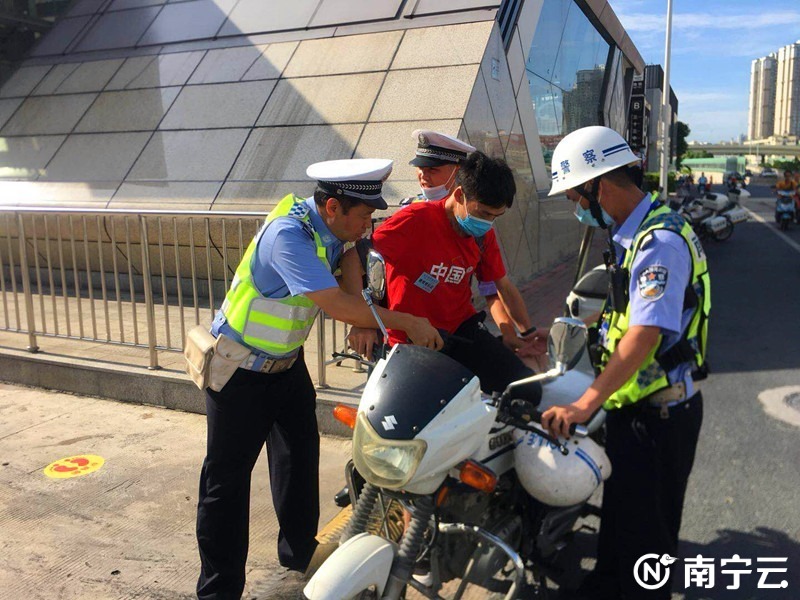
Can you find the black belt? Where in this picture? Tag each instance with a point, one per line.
(665, 410)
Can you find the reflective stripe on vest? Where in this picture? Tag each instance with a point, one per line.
(277, 326)
(651, 377)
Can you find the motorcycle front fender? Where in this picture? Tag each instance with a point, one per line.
(362, 561)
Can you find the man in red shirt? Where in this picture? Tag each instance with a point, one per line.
(436, 161)
(432, 249)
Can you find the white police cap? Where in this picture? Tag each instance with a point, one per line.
(435, 149)
(357, 178)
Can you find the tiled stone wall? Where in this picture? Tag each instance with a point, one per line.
(230, 128)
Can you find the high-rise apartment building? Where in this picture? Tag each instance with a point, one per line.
(775, 94)
(787, 91)
(763, 73)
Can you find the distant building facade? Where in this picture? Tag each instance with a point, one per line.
(775, 95)
(647, 102)
(763, 77)
(787, 91)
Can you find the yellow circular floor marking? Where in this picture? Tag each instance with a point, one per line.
(74, 466)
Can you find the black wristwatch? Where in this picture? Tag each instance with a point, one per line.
(527, 332)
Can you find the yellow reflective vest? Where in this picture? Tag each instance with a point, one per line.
(276, 326)
(652, 375)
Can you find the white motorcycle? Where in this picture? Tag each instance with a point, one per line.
(486, 492)
(713, 216)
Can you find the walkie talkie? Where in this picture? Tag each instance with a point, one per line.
(619, 280)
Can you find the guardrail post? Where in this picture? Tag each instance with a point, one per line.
(26, 286)
(321, 381)
(149, 305)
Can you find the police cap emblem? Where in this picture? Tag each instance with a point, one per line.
(423, 140)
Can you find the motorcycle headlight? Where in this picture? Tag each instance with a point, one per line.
(385, 463)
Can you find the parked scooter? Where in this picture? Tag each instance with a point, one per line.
(485, 486)
(785, 210)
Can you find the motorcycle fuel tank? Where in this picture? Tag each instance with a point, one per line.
(566, 390)
(556, 479)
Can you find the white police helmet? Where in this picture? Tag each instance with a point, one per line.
(553, 478)
(588, 153)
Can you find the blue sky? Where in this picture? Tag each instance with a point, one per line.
(713, 44)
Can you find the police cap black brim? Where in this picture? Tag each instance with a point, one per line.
(378, 203)
(425, 161)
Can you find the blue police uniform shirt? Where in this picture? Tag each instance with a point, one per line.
(286, 262)
(665, 254)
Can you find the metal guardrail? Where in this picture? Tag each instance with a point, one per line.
(129, 278)
(98, 275)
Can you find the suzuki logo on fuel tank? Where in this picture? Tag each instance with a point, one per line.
(389, 423)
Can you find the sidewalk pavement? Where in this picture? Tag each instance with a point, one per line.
(126, 530)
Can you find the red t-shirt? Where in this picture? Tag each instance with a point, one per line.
(429, 265)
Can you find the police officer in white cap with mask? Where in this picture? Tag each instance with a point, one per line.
(283, 280)
(436, 160)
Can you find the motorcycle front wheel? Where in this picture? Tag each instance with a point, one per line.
(724, 234)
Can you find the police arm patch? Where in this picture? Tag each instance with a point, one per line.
(652, 282)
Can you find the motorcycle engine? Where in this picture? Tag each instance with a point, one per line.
(492, 512)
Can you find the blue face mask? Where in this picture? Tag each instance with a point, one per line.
(435, 193)
(474, 226)
(584, 215)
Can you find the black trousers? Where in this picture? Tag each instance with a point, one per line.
(251, 410)
(487, 357)
(651, 459)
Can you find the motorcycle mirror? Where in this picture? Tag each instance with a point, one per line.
(566, 342)
(376, 275)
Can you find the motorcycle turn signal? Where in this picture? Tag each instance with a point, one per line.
(478, 476)
(345, 414)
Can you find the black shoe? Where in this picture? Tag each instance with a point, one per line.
(286, 584)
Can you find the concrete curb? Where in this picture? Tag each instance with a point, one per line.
(136, 385)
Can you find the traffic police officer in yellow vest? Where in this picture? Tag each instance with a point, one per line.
(285, 277)
(648, 348)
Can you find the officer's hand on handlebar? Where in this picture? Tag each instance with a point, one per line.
(557, 419)
(420, 332)
(361, 340)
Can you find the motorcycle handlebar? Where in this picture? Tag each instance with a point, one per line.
(574, 428)
(522, 415)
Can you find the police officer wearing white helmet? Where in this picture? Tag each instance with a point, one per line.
(648, 349)
(283, 280)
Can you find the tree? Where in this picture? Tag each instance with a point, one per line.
(698, 154)
(682, 147)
